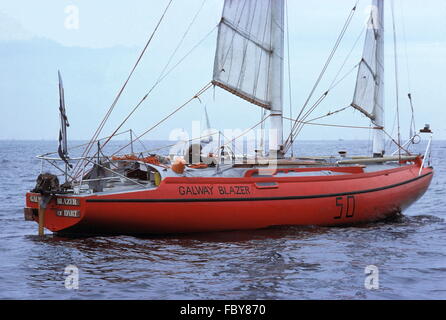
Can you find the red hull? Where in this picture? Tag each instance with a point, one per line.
(181, 205)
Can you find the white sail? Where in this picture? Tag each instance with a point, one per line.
(369, 80)
(369, 92)
(244, 50)
(249, 57)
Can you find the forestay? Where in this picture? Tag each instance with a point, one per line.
(245, 49)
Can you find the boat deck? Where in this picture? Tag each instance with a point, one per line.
(119, 185)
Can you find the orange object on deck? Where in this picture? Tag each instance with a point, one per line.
(178, 166)
(150, 159)
(198, 166)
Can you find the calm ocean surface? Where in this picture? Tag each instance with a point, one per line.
(278, 263)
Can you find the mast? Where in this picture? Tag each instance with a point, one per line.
(369, 92)
(378, 135)
(276, 78)
(249, 58)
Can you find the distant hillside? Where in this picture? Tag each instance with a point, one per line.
(28, 83)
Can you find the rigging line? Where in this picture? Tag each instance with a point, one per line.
(165, 67)
(231, 148)
(345, 76)
(84, 144)
(161, 121)
(247, 130)
(113, 171)
(296, 127)
(101, 126)
(334, 125)
(172, 145)
(330, 113)
(160, 80)
(396, 77)
(222, 147)
(61, 170)
(396, 143)
(330, 57)
(200, 92)
(131, 73)
(235, 148)
(182, 59)
(139, 140)
(313, 107)
(392, 131)
(185, 56)
(299, 126)
(405, 47)
(182, 39)
(347, 57)
(409, 86)
(319, 101)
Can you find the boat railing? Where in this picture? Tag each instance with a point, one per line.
(427, 154)
(78, 183)
(415, 139)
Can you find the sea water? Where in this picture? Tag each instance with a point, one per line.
(401, 259)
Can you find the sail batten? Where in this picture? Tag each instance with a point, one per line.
(247, 36)
(361, 109)
(240, 94)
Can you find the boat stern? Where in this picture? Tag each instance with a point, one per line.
(61, 212)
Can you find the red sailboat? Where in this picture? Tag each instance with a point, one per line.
(214, 191)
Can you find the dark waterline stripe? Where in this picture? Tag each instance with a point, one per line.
(263, 198)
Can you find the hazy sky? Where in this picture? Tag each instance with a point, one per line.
(96, 51)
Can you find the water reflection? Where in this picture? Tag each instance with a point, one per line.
(282, 262)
